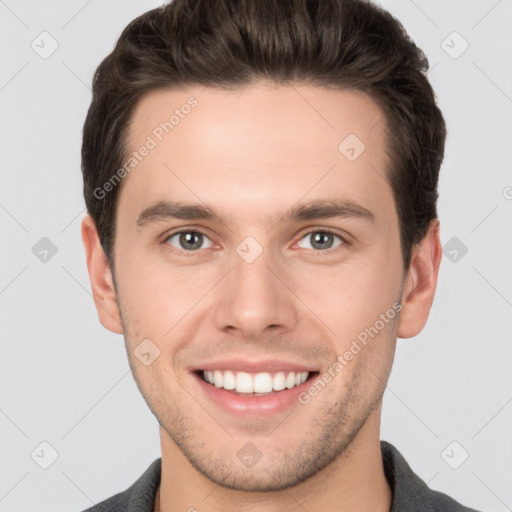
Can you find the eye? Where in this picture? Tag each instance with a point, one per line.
(189, 240)
(320, 240)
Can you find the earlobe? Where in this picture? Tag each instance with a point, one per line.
(100, 275)
(420, 283)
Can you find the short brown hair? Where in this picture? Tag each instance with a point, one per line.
(345, 44)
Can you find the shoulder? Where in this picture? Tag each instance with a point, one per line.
(140, 496)
(409, 491)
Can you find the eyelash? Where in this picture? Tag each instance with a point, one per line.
(187, 254)
(326, 231)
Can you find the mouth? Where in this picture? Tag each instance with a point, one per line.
(251, 394)
(255, 384)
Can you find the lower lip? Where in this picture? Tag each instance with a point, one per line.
(253, 405)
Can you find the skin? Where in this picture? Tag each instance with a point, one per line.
(251, 155)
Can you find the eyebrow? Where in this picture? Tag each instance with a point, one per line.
(315, 209)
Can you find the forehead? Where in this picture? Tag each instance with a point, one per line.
(273, 143)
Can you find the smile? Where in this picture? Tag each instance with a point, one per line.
(263, 383)
(253, 389)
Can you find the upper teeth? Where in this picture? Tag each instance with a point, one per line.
(244, 382)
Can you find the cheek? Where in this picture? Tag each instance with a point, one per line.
(350, 297)
(156, 297)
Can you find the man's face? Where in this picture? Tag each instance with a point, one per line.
(255, 284)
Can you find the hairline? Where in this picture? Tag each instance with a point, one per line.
(391, 158)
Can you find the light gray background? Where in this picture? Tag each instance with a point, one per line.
(65, 380)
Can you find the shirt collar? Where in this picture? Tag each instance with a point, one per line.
(409, 492)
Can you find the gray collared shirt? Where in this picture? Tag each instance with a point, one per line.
(409, 492)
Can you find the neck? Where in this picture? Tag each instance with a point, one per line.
(353, 481)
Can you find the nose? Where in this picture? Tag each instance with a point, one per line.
(254, 298)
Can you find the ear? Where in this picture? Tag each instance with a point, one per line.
(100, 275)
(420, 283)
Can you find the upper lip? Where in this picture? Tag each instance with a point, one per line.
(252, 366)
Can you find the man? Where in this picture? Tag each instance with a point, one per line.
(261, 182)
